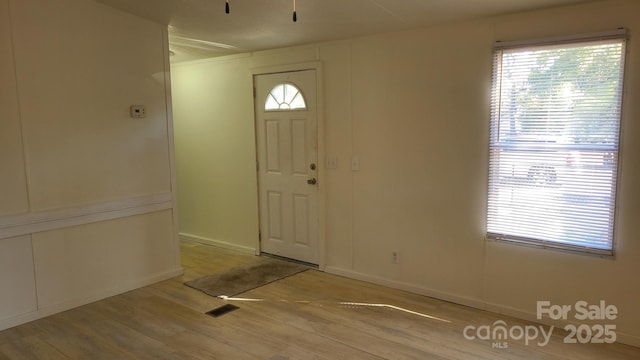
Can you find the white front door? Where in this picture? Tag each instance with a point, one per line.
(286, 128)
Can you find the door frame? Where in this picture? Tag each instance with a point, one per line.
(317, 66)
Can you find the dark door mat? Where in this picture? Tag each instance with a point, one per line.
(244, 278)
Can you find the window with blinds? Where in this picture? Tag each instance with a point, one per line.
(555, 125)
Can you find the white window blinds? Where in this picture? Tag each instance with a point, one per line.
(555, 124)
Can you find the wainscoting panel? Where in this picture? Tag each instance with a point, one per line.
(52, 261)
(17, 282)
(84, 260)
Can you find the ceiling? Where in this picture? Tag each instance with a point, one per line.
(200, 28)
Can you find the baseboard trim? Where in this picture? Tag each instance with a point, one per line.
(24, 224)
(627, 339)
(80, 301)
(220, 244)
(406, 287)
(622, 338)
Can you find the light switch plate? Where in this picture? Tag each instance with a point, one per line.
(355, 163)
(332, 162)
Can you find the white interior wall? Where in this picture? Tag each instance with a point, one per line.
(12, 177)
(86, 193)
(217, 159)
(414, 107)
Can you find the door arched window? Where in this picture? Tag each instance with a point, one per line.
(285, 97)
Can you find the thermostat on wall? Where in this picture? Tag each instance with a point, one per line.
(138, 111)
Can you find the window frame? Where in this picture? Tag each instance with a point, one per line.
(496, 96)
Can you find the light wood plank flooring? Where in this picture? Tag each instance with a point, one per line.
(300, 317)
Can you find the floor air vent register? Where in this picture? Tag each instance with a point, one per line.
(224, 309)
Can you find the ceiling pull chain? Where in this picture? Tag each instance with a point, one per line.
(295, 16)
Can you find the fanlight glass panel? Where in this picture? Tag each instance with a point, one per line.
(285, 97)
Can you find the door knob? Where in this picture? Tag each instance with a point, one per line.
(312, 181)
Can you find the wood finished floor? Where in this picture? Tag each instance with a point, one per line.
(299, 317)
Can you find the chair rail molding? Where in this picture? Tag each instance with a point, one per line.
(29, 223)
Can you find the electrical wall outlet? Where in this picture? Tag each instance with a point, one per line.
(395, 257)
